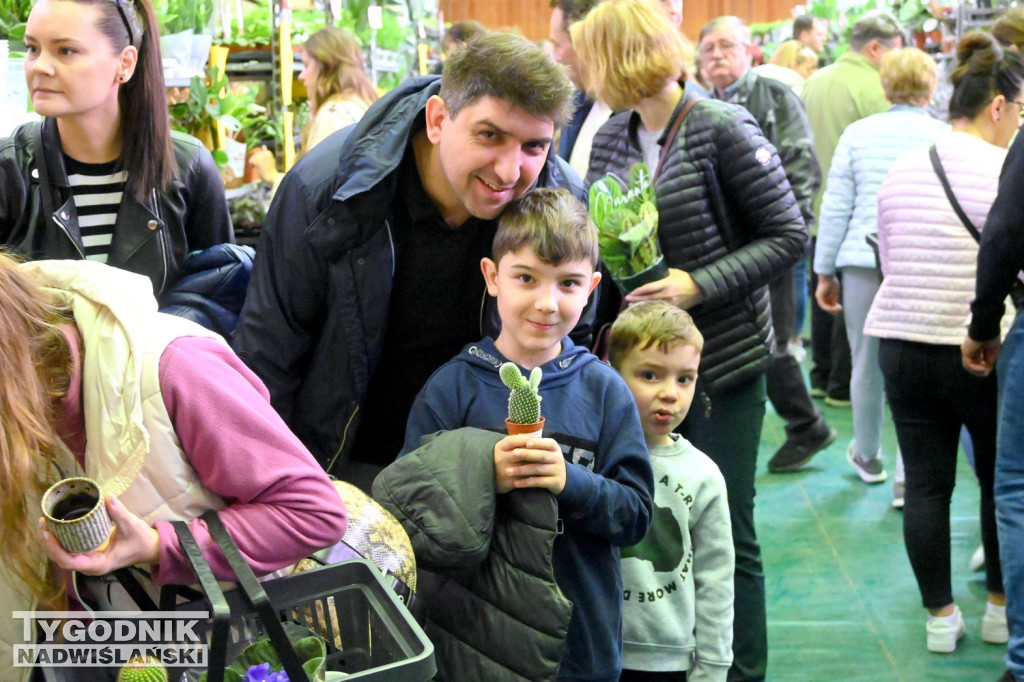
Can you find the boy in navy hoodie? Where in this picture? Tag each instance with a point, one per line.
(592, 456)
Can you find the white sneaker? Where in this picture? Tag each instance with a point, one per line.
(899, 495)
(945, 631)
(869, 469)
(977, 562)
(993, 625)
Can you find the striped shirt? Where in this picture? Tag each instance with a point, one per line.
(97, 189)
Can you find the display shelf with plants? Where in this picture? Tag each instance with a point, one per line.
(214, 104)
(175, 16)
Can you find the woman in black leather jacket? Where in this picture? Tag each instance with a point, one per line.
(728, 224)
(94, 71)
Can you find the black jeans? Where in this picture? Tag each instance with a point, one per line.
(931, 395)
(786, 387)
(830, 351)
(729, 435)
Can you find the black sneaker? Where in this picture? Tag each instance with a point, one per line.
(1007, 677)
(835, 400)
(797, 451)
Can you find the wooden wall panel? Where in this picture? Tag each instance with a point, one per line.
(531, 17)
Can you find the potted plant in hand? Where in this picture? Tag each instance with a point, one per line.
(523, 400)
(626, 215)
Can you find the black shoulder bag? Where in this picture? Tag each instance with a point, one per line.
(1017, 290)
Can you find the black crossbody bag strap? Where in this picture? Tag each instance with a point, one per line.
(1017, 288)
(933, 154)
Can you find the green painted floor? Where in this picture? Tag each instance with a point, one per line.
(842, 601)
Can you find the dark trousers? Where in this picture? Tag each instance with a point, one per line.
(830, 351)
(645, 676)
(729, 434)
(931, 396)
(786, 387)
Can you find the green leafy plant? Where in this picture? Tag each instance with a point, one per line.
(249, 211)
(626, 216)
(524, 397)
(258, 27)
(175, 16)
(213, 102)
(311, 649)
(13, 14)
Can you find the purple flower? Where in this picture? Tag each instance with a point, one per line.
(261, 673)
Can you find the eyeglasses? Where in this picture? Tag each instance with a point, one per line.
(723, 47)
(127, 24)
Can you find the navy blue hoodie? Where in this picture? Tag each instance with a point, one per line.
(606, 503)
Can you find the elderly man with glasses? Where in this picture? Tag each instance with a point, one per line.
(725, 63)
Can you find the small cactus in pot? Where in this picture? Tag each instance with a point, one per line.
(523, 400)
(143, 669)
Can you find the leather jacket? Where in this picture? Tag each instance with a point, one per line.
(151, 238)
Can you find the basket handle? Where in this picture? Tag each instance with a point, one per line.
(256, 596)
(219, 608)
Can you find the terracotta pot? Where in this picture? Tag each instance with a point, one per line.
(535, 429)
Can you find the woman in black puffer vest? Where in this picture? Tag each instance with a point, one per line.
(728, 224)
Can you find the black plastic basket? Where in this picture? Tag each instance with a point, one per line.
(369, 632)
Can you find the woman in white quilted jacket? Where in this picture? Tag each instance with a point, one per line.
(928, 248)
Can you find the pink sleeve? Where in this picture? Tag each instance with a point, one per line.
(281, 504)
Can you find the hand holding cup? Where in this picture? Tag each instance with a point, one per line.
(132, 541)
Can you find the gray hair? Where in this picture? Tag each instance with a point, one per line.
(874, 25)
(739, 29)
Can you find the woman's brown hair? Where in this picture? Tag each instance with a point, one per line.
(146, 151)
(341, 66)
(984, 70)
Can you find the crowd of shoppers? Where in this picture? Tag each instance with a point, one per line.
(453, 208)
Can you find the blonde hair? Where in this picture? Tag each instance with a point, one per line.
(341, 66)
(792, 53)
(645, 324)
(909, 76)
(35, 364)
(628, 50)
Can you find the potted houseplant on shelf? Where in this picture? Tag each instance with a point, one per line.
(211, 106)
(523, 400)
(626, 215)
